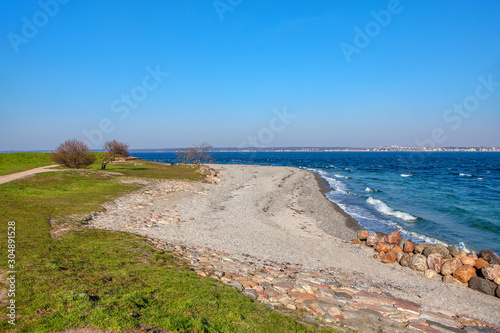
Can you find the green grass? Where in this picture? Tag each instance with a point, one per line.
(17, 162)
(110, 280)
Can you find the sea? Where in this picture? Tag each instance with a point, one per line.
(429, 197)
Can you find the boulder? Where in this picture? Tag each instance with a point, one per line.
(468, 261)
(382, 247)
(436, 248)
(397, 249)
(483, 285)
(465, 273)
(394, 237)
(454, 250)
(434, 262)
(430, 274)
(374, 238)
(420, 248)
(480, 263)
(491, 272)
(389, 258)
(497, 292)
(462, 254)
(450, 266)
(405, 260)
(418, 263)
(497, 280)
(408, 247)
(450, 279)
(363, 234)
(399, 255)
(490, 256)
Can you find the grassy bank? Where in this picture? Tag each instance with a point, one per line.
(17, 162)
(83, 277)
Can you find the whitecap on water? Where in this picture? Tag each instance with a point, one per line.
(383, 208)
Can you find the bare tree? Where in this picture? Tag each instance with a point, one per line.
(195, 154)
(73, 154)
(112, 150)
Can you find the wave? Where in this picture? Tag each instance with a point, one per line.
(368, 189)
(384, 209)
(405, 175)
(465, 175)
(341, 176)
(335, 184)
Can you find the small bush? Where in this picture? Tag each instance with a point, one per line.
(73, 154)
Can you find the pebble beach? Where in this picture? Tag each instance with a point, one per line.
(271, 233)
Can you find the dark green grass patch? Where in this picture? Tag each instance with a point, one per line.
(104, 279)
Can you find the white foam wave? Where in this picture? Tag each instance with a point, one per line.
(341, 176)
(369, 190)
(405, 175)
(465, 175)
(384, 209)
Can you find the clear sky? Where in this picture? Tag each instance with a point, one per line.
(162, 73)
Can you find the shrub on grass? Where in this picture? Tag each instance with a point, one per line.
(73, 154)
(112, 150)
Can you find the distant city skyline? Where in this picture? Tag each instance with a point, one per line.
(249, 74)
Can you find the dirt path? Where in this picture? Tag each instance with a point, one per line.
(27, 173)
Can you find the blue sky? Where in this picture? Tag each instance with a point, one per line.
(344, 73)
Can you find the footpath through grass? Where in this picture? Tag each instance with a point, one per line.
(17, 162)
(104, 279)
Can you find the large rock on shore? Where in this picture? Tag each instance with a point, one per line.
(450, 266)
(420, 248)
(491, 272)
(394, 237)
(418, 263)
(454, 250)
(382, 247)
(480, 263)
(497, 293)
(450, 279)
(465, 273)
(363, 234)
(468, 261)
(374, 238)
(405, 260)
(483, 285)
(436, 248)
(389, 258)
(490, 256)
(434, 262)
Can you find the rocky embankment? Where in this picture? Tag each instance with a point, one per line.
(480, 272)
(328, 297)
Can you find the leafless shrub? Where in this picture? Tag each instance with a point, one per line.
(73, 154)
(112, 150)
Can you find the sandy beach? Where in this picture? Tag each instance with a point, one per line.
(278, 214)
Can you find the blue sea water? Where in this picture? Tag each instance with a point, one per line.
(435, 197)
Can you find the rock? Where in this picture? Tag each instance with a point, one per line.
(420, 248)
(453, 250)
(468, 261)
(302, 297)
(363, 234)
(374, 238)
(283, 286)
(462, 254)
(418, 263)
(359, 325)
(450, 266)
(465, 273)
(490, 256)
(357, 242)
(250, 293)
(497, 292)
(397, 249)
(394, 237)
(491, 272)
(382, 247)
(434, 262)
(436, 248)
(399, 255)
(389, 258)
(497, 280)
(408, 247)
(450, 279)
(430, 274)
(480, 263)
(483, 285)
(405, 260)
